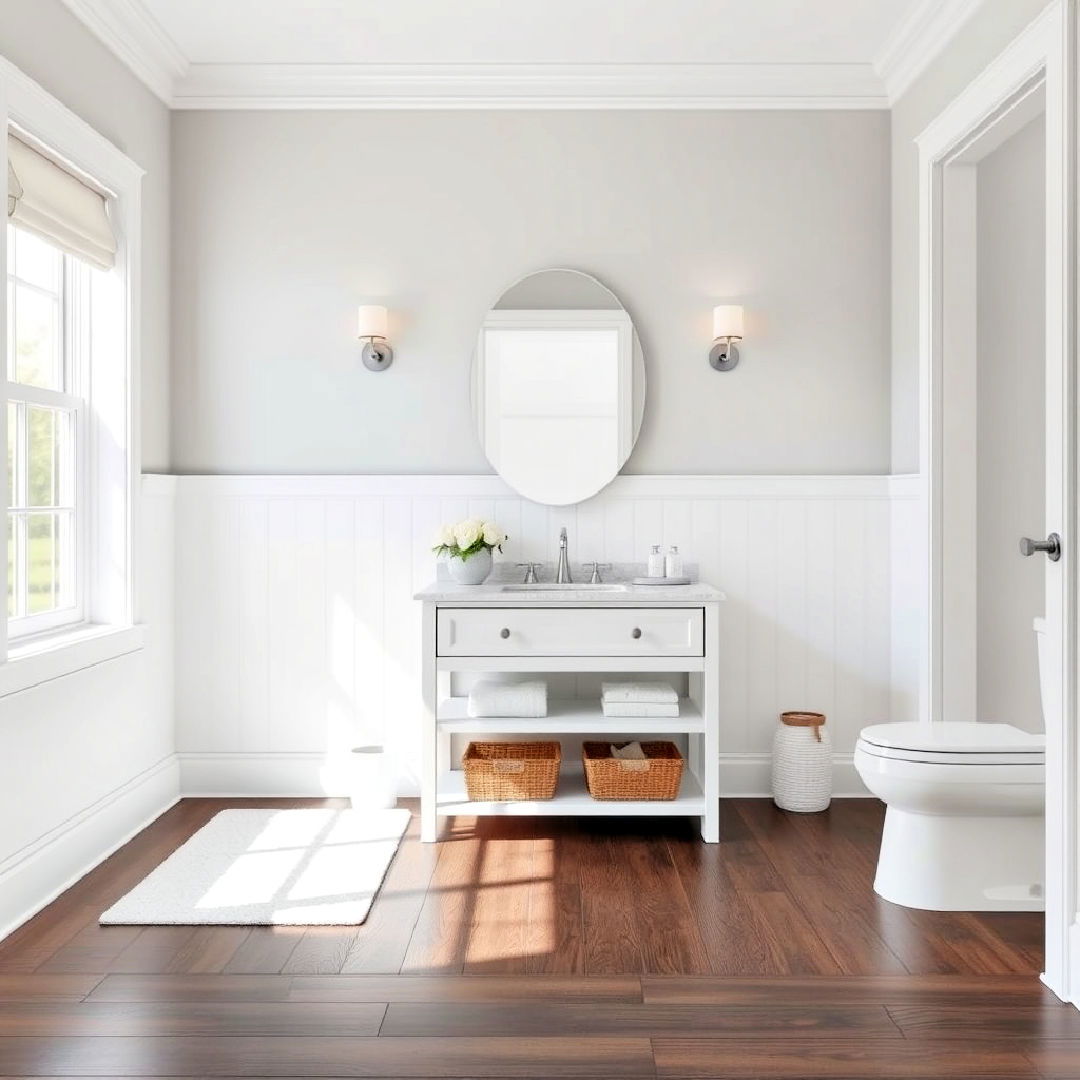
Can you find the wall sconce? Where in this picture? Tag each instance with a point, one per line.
(371, 329)
(727, 329)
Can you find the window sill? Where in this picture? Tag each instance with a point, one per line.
(52, 656)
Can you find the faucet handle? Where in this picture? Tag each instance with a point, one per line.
(530, 572)
(596, 579)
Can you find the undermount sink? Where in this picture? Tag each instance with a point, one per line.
(568, 586)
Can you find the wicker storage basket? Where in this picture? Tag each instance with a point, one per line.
(657, 777)
(508, 772)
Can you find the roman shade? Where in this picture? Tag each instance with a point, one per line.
(46, 199)
(14, 189)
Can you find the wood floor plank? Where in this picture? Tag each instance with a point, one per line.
(536, 1059)
(192, 988)
(265, 951)
(92, 949)
(1056, 1059)
(381, 943)
(555, 936)
(958, 941)
(973, 1022)
(33, 987)
(441, 936)
(667, 928)
(992, 991)
(652, 1021)
(208, 950)
(321, 950)
(467, 988)
(729, 929)
(152, 1018)
(784, 929)
(845, 1059)
(504, 878)
(153, 951)
(825, 877)
(612, 945)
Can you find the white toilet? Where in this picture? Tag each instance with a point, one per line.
(964, 817)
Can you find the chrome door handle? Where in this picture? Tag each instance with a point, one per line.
(1051, 546)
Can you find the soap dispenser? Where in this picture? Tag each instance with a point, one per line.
(656, 562)
(673, 564)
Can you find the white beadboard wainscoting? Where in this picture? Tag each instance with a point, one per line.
(297, 635)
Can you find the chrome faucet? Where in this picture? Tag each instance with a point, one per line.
(562, 573)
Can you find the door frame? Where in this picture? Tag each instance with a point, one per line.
(1037, 70)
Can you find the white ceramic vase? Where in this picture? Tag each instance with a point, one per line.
(471, 571)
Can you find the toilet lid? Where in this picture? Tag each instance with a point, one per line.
(955, 741)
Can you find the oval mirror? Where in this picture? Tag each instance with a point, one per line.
(558, 386)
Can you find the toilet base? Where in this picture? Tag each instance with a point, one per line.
(953, 863)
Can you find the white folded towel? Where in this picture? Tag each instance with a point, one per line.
(630, 752)
(508, 699)
(641, 708)
(637, 691)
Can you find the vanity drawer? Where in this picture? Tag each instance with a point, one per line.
(570, 632)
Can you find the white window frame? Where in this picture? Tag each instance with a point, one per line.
(75, 296)
(110, 388)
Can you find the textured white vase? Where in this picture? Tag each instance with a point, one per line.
(802, 765)
(471, 571)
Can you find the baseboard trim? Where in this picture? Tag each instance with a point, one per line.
(37, 874)
(298, 775)
(265, 775)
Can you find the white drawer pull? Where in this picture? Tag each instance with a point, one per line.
(636, 632)
(504, 633)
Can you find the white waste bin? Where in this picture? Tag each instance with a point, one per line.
(372, 785)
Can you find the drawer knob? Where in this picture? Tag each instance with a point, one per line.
(504, 633)
(636, 632)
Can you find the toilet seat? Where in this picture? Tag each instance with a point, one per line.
(954, 743)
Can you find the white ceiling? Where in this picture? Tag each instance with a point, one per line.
(527, 31)
(490, 53)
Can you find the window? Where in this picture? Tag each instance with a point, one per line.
(46, 297)
(69, 327)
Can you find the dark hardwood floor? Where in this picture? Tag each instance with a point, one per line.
(544, 948)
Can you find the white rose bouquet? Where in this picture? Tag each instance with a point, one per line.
(467, 538)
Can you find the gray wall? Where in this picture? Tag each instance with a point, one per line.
(51, 46)
(989, 31)
(1011, 426)
(284, 221)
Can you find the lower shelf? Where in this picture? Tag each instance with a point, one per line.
(571, 799)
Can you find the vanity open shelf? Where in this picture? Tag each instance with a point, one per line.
(571, 800)
(569, 717)
(632, 631)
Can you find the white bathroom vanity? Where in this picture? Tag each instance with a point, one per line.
(619, 628)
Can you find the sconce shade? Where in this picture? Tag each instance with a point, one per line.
(728, 321)
(371, 321)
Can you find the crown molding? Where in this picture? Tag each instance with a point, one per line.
(529, 86)
(137, 38)
(918, 39)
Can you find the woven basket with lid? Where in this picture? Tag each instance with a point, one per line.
(802, 763)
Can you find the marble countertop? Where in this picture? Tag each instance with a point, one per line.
(496, 591)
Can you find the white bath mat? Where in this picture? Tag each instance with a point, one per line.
(270, 868)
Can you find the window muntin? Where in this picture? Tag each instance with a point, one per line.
(45, 413)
